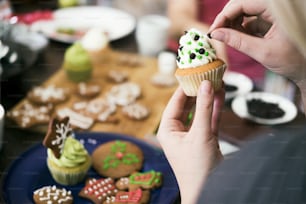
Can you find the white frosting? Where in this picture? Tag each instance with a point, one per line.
(94, 39)
(195, 50)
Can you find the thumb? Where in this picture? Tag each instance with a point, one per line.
(203, 113)
(248, 44)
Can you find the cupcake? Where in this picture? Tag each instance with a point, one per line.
(196, 62)
(67, 159)
(77, 63)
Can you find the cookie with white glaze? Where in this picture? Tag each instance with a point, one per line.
(88, 90)
(52, 194)
(30, 115)
(136, 111)
(97, 190)
(50, 94)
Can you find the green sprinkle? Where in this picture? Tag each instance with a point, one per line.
(189, 43)
(190, 60)
(206, 53)
(199, 57)
(189, 52)
(200, 44)
(197, 50)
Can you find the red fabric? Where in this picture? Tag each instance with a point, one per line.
(239, 62)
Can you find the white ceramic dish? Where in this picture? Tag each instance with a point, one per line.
(243, 83)
(114, 22)
(239, 106)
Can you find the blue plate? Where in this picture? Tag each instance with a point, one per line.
(30, 172)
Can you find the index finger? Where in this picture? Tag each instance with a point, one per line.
(237, 8)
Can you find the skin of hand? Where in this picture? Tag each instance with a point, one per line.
(192, 150)
(249, 27)
(183, 16)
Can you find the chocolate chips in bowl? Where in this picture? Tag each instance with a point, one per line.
(263, 109)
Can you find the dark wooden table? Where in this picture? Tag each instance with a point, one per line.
(17, 141)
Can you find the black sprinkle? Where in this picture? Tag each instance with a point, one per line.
(192, 56)
(209, 35)
(196, 37)
(181, 47)
(202, 51)
(185, 32)
(178, 58)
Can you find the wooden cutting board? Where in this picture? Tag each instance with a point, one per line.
(154, 97)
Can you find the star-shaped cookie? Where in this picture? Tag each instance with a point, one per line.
(57, 133)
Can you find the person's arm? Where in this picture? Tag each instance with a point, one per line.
(250, 27)
(192, 150)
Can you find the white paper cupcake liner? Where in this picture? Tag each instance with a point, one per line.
(190, 83)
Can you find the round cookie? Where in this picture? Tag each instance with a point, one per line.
(43, 95)
(52, 194)
(118, 158)
(88, 90)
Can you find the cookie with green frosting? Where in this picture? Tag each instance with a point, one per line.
(117, 159)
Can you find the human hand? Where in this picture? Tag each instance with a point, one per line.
(249, 27)
(192, 149)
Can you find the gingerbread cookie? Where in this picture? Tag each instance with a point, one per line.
(124, 94)
(133, 197)
(52, 194)
(77, 120)
(144, 180)
(28, 115)
(136, 111)
(99, 109)
(117, 76)
(129, 60)
(88, 90)
(57, 133)
(97, 190)
(118, 158)
(47, 95)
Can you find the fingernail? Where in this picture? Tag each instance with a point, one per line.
(206, 87)
(217, 35)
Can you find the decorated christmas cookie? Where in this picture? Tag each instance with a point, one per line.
(136, 111)
(58, 132)
(98, 109)
(88, 90)
(97, 190)
(117, 76)
(118, 158)
(48, 95)
(52, 194)
(133, 197)
(124, 94)
(144, 180)
(28, 115)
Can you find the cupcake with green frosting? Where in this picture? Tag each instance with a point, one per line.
(68, 160)
(77, 63)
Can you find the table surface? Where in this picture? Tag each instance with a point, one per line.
(13, 90)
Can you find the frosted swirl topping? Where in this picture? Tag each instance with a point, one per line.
(73, 154)
(195, 50)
